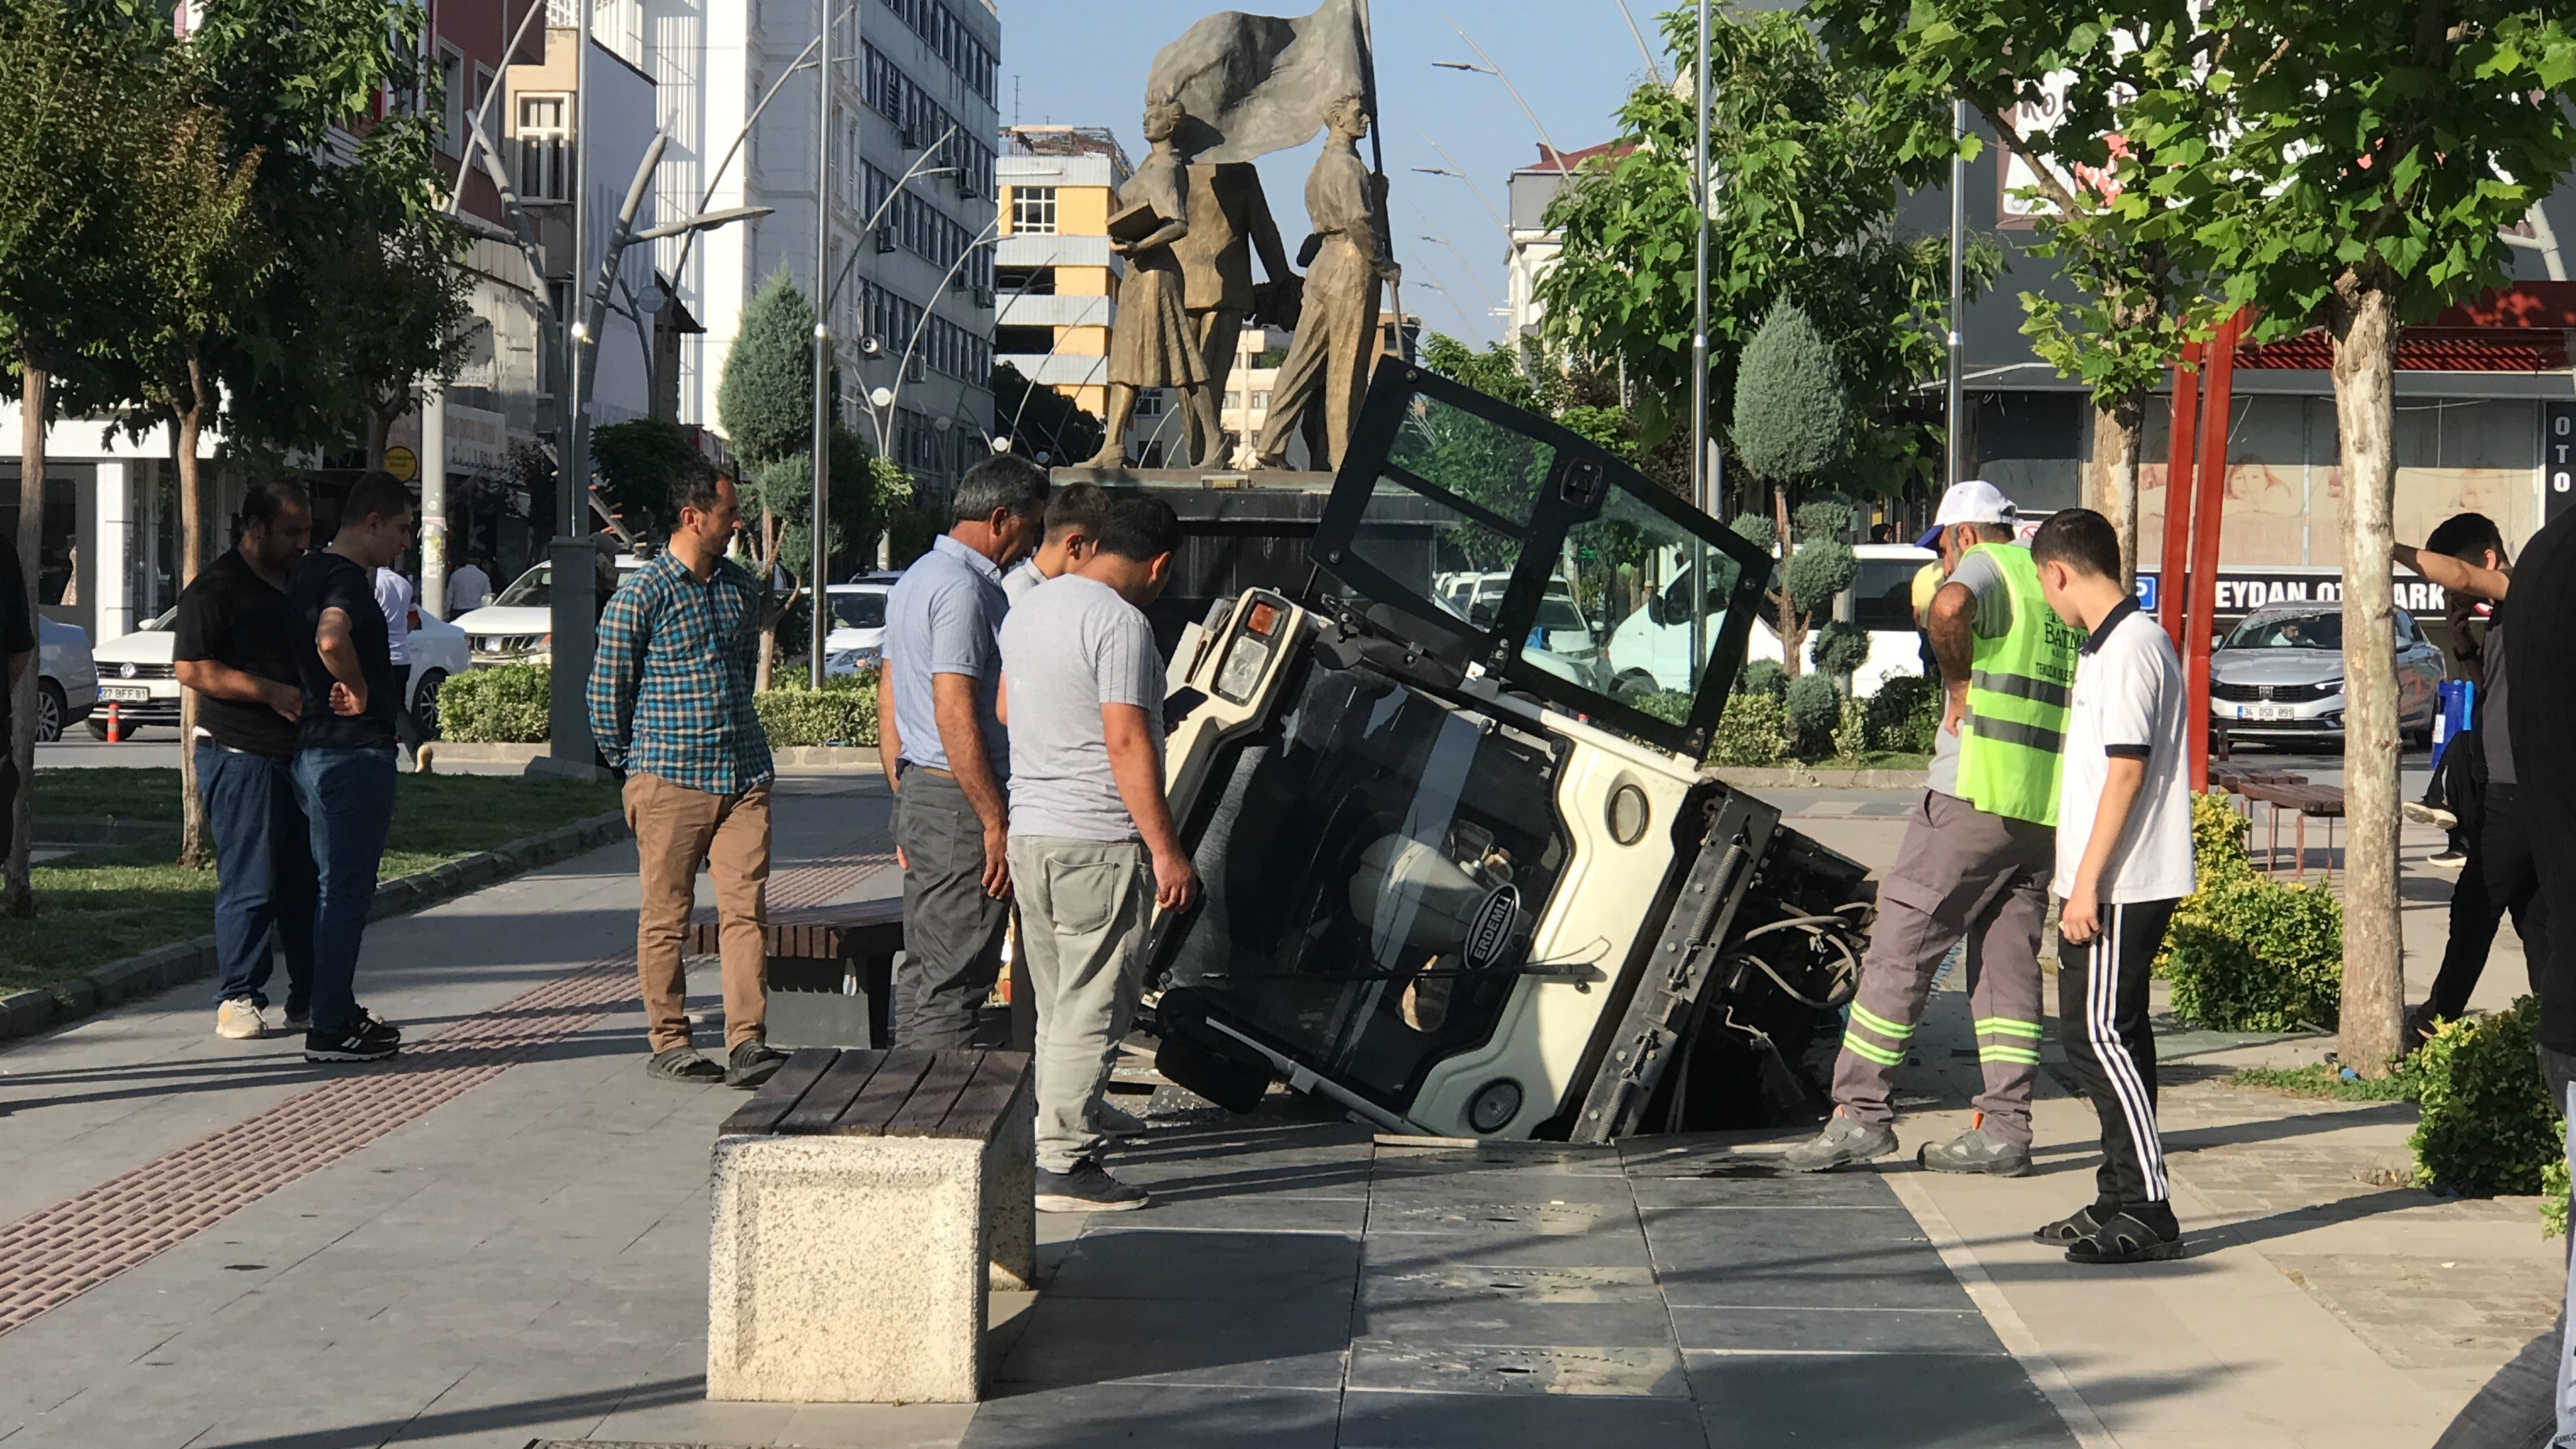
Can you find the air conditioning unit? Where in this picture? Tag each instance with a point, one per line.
(984, 299)
(885, 240)
(957, 281)
(965, 186)
(916, 370)
(911, 137)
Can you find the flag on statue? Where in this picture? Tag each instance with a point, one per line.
(1254, 84)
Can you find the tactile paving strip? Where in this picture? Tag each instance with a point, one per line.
(50, 1257)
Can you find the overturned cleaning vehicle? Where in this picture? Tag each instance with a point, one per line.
(1463, 874)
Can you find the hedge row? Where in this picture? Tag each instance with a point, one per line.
(507, 704)
(2245, 952)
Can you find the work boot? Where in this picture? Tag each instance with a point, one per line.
(1845, 1139)
(1976, 1150)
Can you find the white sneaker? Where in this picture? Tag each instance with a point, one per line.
(241, 1019)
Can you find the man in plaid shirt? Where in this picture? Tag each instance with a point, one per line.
(671, 705)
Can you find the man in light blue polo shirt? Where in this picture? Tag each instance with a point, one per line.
(948, 752)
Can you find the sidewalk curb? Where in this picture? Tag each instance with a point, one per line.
(787, 757)
(24, 1013)
(1795, 777)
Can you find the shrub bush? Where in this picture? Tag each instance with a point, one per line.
(2487, 1126)
(1902, 716)
(2246, 953)
(1814, 708)
(1753, 733)
(1839, 648)
(504, 704)
(1763, 676)
(1669, 705)
(842, 712)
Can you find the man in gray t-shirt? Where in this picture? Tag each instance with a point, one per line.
(1082, 693)
(1992, 620)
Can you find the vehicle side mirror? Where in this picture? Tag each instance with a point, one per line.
(1655, 610)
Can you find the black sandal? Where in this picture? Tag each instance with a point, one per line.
(2126, 1238)
(2073, 1228)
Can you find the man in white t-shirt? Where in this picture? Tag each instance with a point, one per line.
(393, 599)
(2123, 864)
(1093, 848)
(468, 588)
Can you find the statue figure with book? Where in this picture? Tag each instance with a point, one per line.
(1153, 343)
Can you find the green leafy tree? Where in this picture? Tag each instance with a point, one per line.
(2134, 304)
(640, 462)
(766, 397)
(76, 114)
(397, 317)
(1040, 422)
(1807, 202)
(1791, 428)
(2348, 167)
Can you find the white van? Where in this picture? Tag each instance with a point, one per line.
(1653, 644)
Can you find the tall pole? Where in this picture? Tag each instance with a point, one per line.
(573, 596)
(819, 605)
(1958, 292)
(1700, 493)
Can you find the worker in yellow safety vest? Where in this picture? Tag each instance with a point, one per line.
(1977, 855)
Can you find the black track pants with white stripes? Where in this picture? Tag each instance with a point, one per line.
(2102, 1019)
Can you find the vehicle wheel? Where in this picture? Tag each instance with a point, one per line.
(51, 710)
(424, 701)
(98, 730)
(1633, 681)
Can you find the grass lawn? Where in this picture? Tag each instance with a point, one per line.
(2326, 1080)
(101, 905)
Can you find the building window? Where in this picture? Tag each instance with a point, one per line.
(453, 100)
(1261, 399)
(1024, 341)
(1149, 402)
(1025, 281)
(545, 148)
(1033, 209)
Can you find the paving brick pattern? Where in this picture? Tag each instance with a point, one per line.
(52, 1256)
(1296, 1285)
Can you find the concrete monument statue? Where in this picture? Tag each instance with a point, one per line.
(1154, 343)
(1328, 365)
(1229, 219)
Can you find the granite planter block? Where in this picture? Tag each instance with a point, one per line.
(23, 1012)
(854, 1269)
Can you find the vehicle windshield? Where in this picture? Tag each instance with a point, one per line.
(2291, 631)
(534, 589)
(859, 610)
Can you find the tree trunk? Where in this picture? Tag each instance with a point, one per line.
(195, 851)
(1793, 622)
(380, 431)
(2113, 484)
(18, 898)
(770, 613)
(2374, 982)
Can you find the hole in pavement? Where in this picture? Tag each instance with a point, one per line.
(1511, 1369)
(1742, 1168)
(245, 1267)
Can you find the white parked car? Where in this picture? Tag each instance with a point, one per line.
(135, 674)
(857, 639)
(517, 627)
(66, 678)
(1653, 644)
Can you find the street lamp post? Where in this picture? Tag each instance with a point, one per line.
(820, 617)
(1700, 492)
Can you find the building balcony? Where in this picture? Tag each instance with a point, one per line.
(1058, 369)
(1033, 309)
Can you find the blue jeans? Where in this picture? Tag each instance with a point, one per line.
(264, 880)
(348, 798)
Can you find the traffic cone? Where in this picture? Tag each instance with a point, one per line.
(115, 728)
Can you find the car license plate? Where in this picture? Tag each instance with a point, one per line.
(125, 693)
(2272, 711)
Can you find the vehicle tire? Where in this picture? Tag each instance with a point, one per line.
(51, 711)
(1634, 681)
(424, 701)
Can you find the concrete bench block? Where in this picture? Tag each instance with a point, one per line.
(854, 1269)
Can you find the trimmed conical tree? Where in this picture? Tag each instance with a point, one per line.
(1791, 425)
(766, 397)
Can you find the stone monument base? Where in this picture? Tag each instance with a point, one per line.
(1259, 479)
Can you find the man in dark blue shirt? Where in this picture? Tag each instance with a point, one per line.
(344, 754)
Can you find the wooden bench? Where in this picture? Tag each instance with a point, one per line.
(831, 971)
(864, 1203)
(2303, 801)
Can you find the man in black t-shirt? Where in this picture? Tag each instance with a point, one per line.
(235, 644)
(344, 753)
(18, 651)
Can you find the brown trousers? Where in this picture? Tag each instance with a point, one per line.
(675, 828)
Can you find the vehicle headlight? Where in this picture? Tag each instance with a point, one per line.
(1241, 671)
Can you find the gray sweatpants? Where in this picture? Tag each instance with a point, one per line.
(952, 931)
(1961, 872)
(1083, 907)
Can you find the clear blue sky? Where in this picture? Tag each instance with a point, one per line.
(1074, 62)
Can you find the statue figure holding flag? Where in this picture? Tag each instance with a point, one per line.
(1336, 342)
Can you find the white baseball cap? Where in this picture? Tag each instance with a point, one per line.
(1970, 500)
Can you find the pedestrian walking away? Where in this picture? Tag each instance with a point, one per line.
(468, 588)
(1976, 856)
(2123, 864)
(236, 642)
(2466, 556)
(1074, 514)
(670, 700)
(344, 754)
(942, 670)
(1093, 848)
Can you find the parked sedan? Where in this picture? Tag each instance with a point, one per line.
(137, 678)
(2280, 674)
(66, 678)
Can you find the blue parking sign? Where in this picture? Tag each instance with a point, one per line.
(2147, 593)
